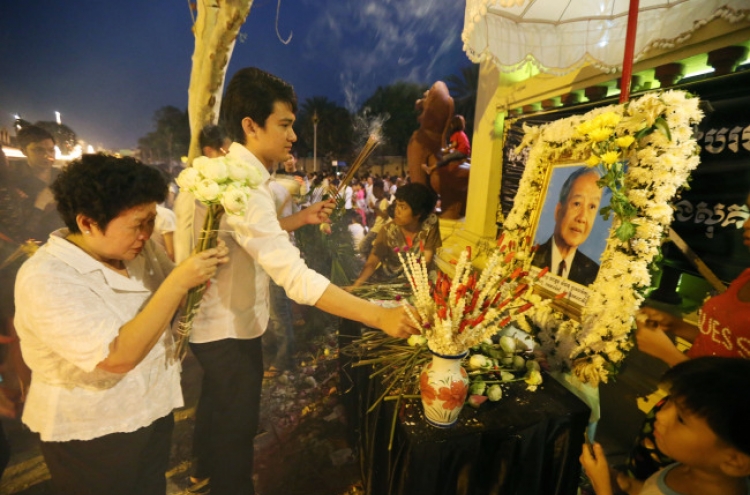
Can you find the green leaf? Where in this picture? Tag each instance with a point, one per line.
(662, 125)
(338, 275)
(643, 133)
(625, 231)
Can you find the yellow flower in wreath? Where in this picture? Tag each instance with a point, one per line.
(593, 161)
(610, 157)
(624, 141)
(584, 128)
(600, 134)
(609, 119)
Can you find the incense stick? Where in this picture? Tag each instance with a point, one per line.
(368, 148)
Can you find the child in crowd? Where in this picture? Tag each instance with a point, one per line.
(703, 427)
(458, 147)
(379, 206)
(357, 230)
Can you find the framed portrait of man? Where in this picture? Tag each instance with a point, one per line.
(569, 233)
(592, 275)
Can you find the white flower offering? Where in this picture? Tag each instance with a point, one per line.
(225, 181)
(224, 184)
(461, 312)
(645, 151)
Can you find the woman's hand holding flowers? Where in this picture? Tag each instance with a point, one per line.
(200, 267)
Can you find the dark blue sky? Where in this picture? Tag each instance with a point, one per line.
(108, 65)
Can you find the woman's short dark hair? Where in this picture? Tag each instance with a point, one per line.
(718, 390)
(419, 197)
(101, 187)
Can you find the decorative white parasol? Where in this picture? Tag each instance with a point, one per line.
(559, 36)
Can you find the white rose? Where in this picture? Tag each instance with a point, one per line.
(207, 191)
(234, 201)
(188, 178)
(254, 178)
(200, 162)
(240, 186)
(212, 168)
(237, 169)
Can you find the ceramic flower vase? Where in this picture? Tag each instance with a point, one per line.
(443, 386)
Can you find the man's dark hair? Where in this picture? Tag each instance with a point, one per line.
(32, 134)
(101, 187)
(718, 390)
(568, 184)
(419, 197)
(252, 93)
(212, 136)
(378, 183)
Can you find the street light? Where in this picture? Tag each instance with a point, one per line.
(315, 120)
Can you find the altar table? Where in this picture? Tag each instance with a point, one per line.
(527, 443)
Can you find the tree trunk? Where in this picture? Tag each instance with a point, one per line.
(216, 28)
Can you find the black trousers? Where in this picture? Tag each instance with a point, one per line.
(116, 464)
(228, 413)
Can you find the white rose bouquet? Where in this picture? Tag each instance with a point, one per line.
(224, 184)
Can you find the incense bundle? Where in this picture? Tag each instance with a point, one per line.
(367, 150)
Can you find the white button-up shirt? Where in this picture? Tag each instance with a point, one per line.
(69, 308)
(236, 303)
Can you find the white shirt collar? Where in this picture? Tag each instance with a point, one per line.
(59, 247)
(557, 258)
(244, 154)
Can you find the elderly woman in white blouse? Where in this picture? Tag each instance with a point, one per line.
(93, 308)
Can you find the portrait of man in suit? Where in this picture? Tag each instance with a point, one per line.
(574, 215)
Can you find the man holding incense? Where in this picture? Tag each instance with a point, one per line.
(258, 111)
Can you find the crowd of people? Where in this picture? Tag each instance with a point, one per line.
(93, 307)
(94, 304)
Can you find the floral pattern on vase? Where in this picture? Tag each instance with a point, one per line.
(443, 385)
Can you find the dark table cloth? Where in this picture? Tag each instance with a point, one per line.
(525, 444)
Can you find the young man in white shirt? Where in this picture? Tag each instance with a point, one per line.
(258, 111)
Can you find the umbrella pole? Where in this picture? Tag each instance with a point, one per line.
(627, 62)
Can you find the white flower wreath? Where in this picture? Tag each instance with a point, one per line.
(654, 134)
